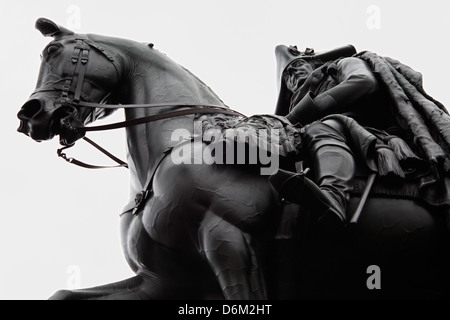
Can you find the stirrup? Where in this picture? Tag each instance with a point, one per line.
(305, 192)
(282, 178)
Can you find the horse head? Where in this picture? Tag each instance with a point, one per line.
(74, 68)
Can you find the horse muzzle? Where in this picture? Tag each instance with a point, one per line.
(42, 120)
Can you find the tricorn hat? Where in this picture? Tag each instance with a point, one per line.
(287, 55)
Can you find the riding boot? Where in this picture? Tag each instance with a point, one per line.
(296, 188)
(334, 168)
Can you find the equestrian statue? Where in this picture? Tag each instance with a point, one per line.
(350, 173)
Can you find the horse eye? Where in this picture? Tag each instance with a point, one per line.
(52, 49)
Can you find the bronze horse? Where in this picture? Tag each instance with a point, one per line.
(213, 231)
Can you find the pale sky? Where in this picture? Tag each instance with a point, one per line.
(59, 226)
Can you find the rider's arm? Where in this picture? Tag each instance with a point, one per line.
(356, 80)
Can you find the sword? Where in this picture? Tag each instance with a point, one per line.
(362, 201)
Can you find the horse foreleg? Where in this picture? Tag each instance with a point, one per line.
(231, 256)
(136, 288)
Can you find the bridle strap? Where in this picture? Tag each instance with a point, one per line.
(80, 59)
(84, 60)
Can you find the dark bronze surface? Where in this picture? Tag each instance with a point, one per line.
(204, 231)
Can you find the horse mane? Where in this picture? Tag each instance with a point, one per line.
(119, 50)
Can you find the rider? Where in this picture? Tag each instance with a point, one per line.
(312, 88)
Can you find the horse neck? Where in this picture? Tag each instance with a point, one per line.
(151, 77)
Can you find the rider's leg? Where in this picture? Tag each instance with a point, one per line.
(334, 168)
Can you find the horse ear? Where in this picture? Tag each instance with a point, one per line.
(50, 29)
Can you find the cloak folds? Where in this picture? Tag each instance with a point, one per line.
(417, 113)
(424, 118)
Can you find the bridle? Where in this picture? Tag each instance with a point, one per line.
(79, 60)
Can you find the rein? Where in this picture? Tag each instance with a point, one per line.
(143, 120)
(79, 59)
(207, 109)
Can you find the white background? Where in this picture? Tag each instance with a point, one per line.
(59, 225)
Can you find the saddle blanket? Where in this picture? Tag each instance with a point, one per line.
(268, 132)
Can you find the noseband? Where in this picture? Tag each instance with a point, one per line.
(79, 60)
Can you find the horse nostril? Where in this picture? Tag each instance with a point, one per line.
(29, 109)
